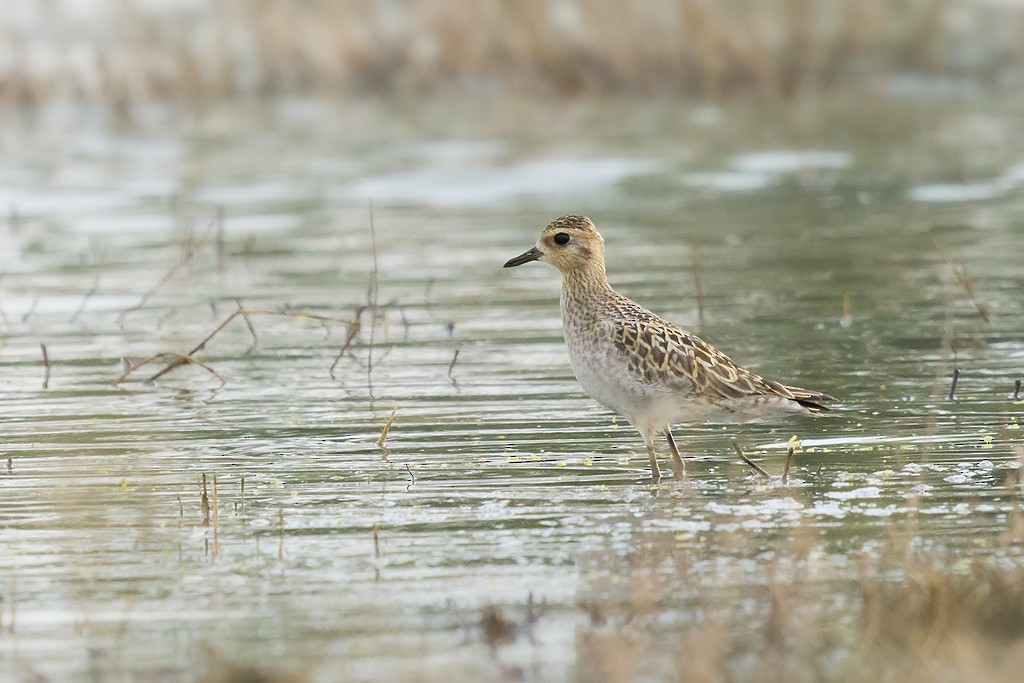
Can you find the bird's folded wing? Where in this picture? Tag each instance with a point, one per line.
(664, 356)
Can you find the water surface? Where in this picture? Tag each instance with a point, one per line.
(500, 485)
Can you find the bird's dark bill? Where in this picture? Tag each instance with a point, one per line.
(525, 257)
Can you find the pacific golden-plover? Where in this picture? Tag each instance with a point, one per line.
(644, 368)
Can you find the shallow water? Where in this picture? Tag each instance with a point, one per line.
(500, 484)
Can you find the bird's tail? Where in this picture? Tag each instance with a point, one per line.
(812, 400)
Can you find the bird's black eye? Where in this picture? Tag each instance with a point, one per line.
(561, 239)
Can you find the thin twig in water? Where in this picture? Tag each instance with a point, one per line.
(698, 285)
(952, 386)
(186, 358)
(960, 272)
(373, 294)
(85, 299)
(789, 463)
(180, 359)
(353, 332)
(412, 477)
(31, 310)
(451, 366)
(183, 261)
(248, 323)
(204, 502)
(46, 366)
(190, 247)
(749, 462)
(387, 428)
(1016, 390)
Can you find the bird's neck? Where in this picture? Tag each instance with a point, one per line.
(585, 288)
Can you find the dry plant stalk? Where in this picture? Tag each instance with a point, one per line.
(46, 366)
(85, 299)
(962, 277)
(767, 49)
(204, 502)
(789, 463)
(387, 428)
(353, 331)
(181, 359)
(952, 385)
(372, 298)
(451, 367)
(750, 463)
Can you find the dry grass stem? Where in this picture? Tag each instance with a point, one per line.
(353, 332)
(46, 366)
(31, 310)
(387, 428)
(771, 50)
(952, 385)
(451, 366)
(789, 463)
(750, 463)
(248, 323)
(181, 359)
(181, 263)
(372, 296)
(85, 300)
(204, 501)
(967, 283)
(846, 319)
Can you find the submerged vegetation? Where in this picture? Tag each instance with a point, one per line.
(129, 52)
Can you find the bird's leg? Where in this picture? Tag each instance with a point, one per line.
(678, 466)
(655, 470)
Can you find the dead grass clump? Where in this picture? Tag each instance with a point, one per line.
(660, 616)
(769, 49)
(932, 607)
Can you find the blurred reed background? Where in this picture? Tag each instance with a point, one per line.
(129, 51)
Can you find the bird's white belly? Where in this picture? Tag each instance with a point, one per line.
(604, 375)
(608, 380)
